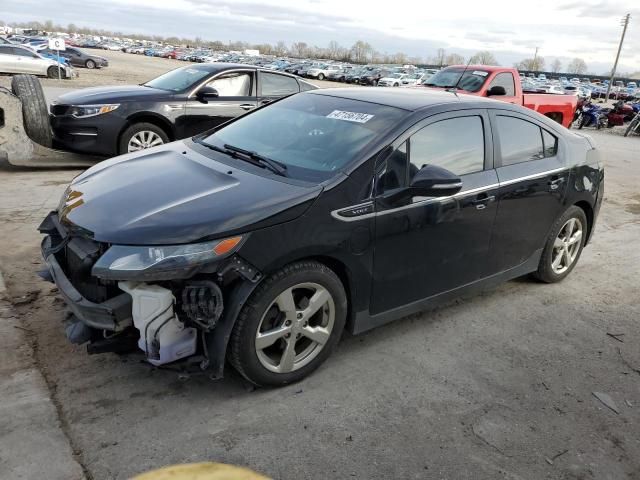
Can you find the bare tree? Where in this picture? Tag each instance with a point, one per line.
(577, 65)
(299, 49)
(360, 51)
(280, 48)
(440, 57)
(334, 49)
(484, 58)
(556, 66)
(531, 64)
(454, 59)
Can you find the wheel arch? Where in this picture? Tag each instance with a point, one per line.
(149, 117)
(588, 211)
(557, 117)
(237, 295)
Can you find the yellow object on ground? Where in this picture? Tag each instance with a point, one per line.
(201, 471)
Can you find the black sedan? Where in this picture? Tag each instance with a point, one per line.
(176, 105)
(264, 239)
(78, 58)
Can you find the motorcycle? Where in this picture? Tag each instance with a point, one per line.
(619, 114)
(593, 116)
(634, 125)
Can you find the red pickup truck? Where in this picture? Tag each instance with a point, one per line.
(503, 84)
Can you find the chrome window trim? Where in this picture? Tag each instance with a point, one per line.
(335, 213)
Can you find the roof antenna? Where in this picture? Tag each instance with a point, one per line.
(455, 87)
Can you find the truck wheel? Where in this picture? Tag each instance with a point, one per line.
(289, 325)
(563, 247)
(140, 136)
(34, 108)
(90, 64)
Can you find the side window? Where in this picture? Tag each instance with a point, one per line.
(7, 50)
(520, 141)
(278, 85)
(232, 85)
(456, 144)
(504, 79)
(395, 172)
(305, 86)
(550, 144)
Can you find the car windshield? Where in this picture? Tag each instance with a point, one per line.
(395, 75)
(313, 135)
(471, 81)
(178, 79)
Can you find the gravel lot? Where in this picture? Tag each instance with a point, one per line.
(496, 386)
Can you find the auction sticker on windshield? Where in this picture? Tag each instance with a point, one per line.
(480, 73)
(350, 116)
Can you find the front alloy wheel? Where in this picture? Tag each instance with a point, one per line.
(142, 140)
(289, 325)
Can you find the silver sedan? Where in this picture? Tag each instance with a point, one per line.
(19, 59)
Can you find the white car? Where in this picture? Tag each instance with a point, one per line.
(19, 59)
(112, 46)
(393, 80)
(322, 71)
(418, 78)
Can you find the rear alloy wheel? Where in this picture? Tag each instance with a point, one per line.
(141, 136)
(90, 64)
(321, 76)
(290, 325)
(564, 246)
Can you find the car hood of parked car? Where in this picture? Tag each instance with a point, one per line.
(114, 94)
(173, 195)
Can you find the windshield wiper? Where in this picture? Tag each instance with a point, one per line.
(276, 167)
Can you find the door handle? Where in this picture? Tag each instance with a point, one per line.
(555, 183)
(264, 102)
(247, 106)
(482, 201)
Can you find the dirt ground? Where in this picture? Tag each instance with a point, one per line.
(498, 386)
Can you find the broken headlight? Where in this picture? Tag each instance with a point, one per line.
(163, 262)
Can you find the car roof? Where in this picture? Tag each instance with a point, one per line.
(221, 66)
(411, 99)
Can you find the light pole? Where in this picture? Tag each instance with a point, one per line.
(625, 23)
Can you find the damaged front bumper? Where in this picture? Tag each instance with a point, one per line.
(164, 319)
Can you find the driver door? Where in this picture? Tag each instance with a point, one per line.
(236, 96)
(427, 246)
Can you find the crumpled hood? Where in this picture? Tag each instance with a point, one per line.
(114, 94)
(163, 196)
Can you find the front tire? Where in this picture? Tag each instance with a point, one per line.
(321, 76)
(563, 247)
(140, 136)
(52, 72)
(290, 325)
(90, 64)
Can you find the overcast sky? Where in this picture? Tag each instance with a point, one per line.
(589, 29)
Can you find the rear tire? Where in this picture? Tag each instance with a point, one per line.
(34, 108)
(90, 64)
(141, 132)
(632, 125)
(321, 76)
(563, 247)
(292, 343)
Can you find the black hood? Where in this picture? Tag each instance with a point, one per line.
(163, 196)
(114, 94)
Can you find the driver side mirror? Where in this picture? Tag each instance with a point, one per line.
(496, 90)
(207, 93)
(434, 181)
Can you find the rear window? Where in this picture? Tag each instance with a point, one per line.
(523, 141)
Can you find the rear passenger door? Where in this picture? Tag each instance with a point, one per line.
(272, 86)
(533, 175)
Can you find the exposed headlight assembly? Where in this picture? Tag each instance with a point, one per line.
(166, 262)
(84, 111)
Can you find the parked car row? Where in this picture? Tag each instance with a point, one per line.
(21, 59)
